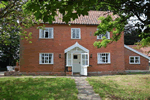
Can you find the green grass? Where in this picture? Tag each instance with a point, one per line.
(38, 89)
(122, 87)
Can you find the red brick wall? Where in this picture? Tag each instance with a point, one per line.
(29, 53)
(143, 61)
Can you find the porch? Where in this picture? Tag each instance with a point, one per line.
(77, 59)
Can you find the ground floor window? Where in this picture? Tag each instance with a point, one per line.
(103, 58)
(46, 58)
(134, 60)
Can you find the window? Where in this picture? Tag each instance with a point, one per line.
(107, 35)
(75, 56)
(68, 60)
(103, 58)
(75, 33)
(46, 33)
(134, 60)
(46, 58)
(85, 60)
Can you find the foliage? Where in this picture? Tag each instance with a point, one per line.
(13, 21)
(38, 89)
(131, 35)
(46, 10)
(119, 87)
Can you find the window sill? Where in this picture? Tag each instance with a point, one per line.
(103, 63)
(101, 39)
(74, 39)
(135, 63)
(46, 38)
(46, 64)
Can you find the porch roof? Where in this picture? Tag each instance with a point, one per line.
(76, 45)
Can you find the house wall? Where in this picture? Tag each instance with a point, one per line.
(29, 52)
(143, 61)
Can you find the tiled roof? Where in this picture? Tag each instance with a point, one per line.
(90, 19)
(142, 50)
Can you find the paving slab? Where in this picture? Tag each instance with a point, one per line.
(85, 91)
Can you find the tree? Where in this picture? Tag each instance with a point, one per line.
(13, 21)
(131, 35)
(46, 10)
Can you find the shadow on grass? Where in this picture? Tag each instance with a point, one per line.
(38, 88)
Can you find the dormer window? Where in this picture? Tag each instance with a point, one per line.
(75, 33)
(107, 35)
(46, 33)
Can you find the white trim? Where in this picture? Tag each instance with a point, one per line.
(136, 51)
(76, 45)
(134, 59)
(79, 33)
(44, 32)
(48, 58)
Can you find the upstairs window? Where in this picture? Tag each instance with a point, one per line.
(46, 33)
(134, 59)
(107, 35)
(103, 58)
(75, 33)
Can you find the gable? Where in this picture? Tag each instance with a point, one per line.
(129, 48)
(76, 45)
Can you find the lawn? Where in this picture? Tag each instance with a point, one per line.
(122, 87)
(38, 89)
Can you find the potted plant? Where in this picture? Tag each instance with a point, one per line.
(17, 66)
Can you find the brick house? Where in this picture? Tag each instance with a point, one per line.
(63, 48)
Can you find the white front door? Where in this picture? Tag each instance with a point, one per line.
(84, 63)
(76, 63)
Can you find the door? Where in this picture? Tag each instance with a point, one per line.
(76, 63)
(84, 63)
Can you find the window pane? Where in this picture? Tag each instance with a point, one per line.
(83, 62)
(131, 60)
(46, 59)
(136, 61)
(50, 58)
(42, 55)
(106, 35)
(42, 60)
(77, 33)
(86, 56)
(83, 56)
(69, 56)
(46, 34)
(136, 57)
(103, 59)
(42, 33)
(103, 54)
(100, 36)
(46, 54)
(73, 33)
(50, 33)
(69, 62)
(86, 62)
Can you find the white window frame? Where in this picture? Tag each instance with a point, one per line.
(44, 34)
(108, 33)
(98, 57)
(79, 33)
(134, 60)
(40, 59)
(67, 60)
